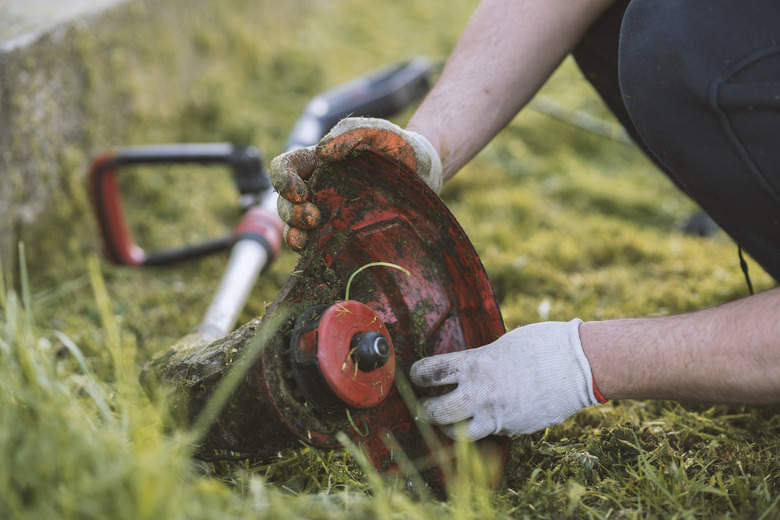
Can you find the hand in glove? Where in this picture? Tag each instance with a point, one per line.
(530, 378)
(290, 171)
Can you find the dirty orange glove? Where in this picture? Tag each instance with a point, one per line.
(290, 171)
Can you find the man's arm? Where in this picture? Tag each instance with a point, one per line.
(538, 375)
(506, 52)
(726, 354)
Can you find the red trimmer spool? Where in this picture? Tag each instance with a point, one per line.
(309, 381)
(342, 354)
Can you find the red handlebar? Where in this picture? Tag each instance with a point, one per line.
(104, 190)
(116, 235)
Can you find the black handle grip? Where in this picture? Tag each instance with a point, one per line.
(245, 162)
(382, 93)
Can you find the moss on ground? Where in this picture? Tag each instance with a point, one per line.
(567, 223)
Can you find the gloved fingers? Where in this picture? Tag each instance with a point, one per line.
(454, 431)
(450, 431)
(296, 238)
(289, 171)
(469, 430)
(386, 141)
(442, 369)
(304, 215)
(450, 408)
(477, 429)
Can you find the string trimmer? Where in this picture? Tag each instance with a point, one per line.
(388, 278)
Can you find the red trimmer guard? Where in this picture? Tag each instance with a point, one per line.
(373, 211)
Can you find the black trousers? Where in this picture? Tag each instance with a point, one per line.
(697, 85)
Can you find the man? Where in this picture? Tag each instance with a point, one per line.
(697, 84)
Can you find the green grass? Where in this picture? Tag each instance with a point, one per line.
(568, 223)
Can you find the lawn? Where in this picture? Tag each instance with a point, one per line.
(568, 219)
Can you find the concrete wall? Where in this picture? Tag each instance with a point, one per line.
(44, 80)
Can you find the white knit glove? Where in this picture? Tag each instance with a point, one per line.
(289, 171)
(530, 378)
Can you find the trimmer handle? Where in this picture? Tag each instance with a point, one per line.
(120, 248)
(382, 93)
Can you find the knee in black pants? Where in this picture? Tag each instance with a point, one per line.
(701, 85)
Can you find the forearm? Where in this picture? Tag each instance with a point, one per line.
(506, 52)
(729, 353)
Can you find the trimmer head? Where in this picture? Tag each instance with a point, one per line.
(341, 355)
(328, 365)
